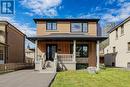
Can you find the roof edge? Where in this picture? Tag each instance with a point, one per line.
(64, 19)
(67, 38)
(120, 24)
(8, 23)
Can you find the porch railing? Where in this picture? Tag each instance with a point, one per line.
(43, 60)
(55, 63)
(65, 57)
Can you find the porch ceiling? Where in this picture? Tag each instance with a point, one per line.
(67, 36)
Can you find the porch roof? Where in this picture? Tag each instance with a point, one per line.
(67, 36)
(65, 19)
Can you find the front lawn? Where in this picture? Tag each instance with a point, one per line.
(111, 77)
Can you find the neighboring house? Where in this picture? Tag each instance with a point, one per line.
(74, 40)
(101, 55)
(30, 54)
(117, 53)
(12, 44)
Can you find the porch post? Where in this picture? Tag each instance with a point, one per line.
(74, 50)
(35, 51)
(36, 61)
(97, 55)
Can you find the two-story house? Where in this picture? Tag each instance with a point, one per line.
(12, 44)
(29, 55)
(117, 53)
(74, 40)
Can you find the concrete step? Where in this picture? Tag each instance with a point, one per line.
(49, 64)
(50, 68)
(47, 71)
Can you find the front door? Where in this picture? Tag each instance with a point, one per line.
(50, 51)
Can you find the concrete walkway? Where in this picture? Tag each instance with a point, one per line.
(26, 78)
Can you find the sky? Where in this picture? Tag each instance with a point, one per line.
(26, 10)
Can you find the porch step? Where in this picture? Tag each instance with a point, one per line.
(47, 71)
(49, 67)
(49, 64)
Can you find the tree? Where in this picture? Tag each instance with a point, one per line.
(107, 28)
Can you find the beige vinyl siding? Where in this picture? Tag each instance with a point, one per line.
(64, 27)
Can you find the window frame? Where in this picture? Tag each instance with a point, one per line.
(71, 50)
(122, 29)
(116, 33)
(128, 46)
(82, 31)
(52, 22)
(2, 53)
(114, 49)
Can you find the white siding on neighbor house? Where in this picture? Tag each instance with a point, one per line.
(121, 44)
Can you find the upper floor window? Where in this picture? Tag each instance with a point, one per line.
(51, 26)
(116, 33)
(128, 46)
(122, 29)
(79, 27)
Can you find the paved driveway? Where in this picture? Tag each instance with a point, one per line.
(26, 78)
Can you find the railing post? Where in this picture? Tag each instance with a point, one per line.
(55, 59)
(55, 63)
(43, 59)
(37, 59)
(74, 50)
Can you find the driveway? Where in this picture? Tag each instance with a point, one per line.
(26, 78)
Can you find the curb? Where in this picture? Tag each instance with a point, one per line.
(52, 80)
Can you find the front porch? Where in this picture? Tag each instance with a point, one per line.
(70, 49)
(68, 53)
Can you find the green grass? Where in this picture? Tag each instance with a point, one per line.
(111, 77)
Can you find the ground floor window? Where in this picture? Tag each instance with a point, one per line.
(81, 50)
(2, 51)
